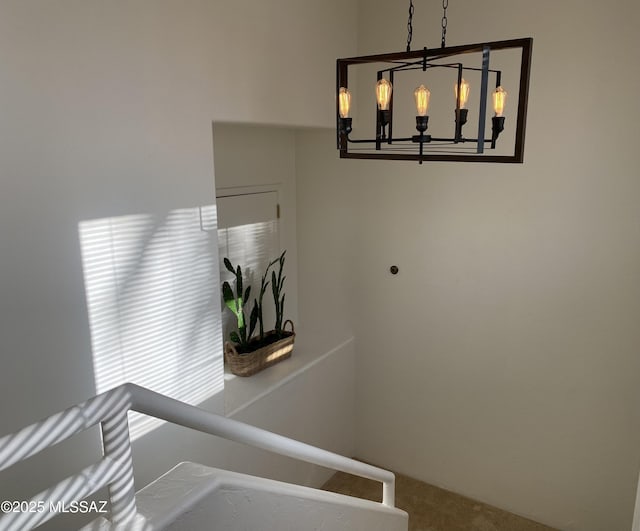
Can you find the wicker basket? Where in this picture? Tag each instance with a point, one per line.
(257, 360)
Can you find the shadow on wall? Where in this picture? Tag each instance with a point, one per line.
(151, 284)
(83, 496)
(68, 495)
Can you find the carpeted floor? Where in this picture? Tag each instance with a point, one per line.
(433, 509)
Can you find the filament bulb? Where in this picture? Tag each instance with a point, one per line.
(422, 95)
(383, 94)
(344, 102)
(464, 92)
(499, 98)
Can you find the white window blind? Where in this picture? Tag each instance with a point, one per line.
(248, 235)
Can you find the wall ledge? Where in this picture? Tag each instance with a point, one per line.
(240, 393)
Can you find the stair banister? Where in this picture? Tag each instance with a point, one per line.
(115, 470)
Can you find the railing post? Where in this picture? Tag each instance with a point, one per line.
(389, 492)
(117, 447)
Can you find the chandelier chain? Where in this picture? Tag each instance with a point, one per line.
(410, 26)
(445, 5)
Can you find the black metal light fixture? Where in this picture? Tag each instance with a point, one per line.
(446, 67)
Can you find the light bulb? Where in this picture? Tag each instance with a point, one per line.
(499, 97)
(344, 102)
(422, 95)
(464, 93)
(383, 94)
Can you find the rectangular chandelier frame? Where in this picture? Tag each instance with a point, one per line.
(385, 146)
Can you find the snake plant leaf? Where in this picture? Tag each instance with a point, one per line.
(247, 292)
(229, 299)
(253, 318)
(274, 285)
(234, 337)
(227, 264)
(239, 281)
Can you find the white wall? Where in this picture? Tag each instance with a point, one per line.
(328, 260)
(301, 408)
(107, 110)
(501, 362)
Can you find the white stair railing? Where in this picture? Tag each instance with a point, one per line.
(115, 470)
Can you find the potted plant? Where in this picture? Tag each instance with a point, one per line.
(247, 354)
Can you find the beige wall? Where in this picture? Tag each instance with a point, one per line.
(502, 361)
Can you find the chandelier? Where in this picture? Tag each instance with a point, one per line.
(467, 89)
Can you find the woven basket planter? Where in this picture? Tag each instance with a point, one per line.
(257, 360)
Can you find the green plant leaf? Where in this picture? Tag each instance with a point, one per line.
(227, 293)
(229, 299)
(228, 265)
(234, 337)
(239, 282)
(274, 287)
(247, 292)
(253, 318)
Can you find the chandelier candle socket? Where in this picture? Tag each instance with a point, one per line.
(422, 96)
(483, 66)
